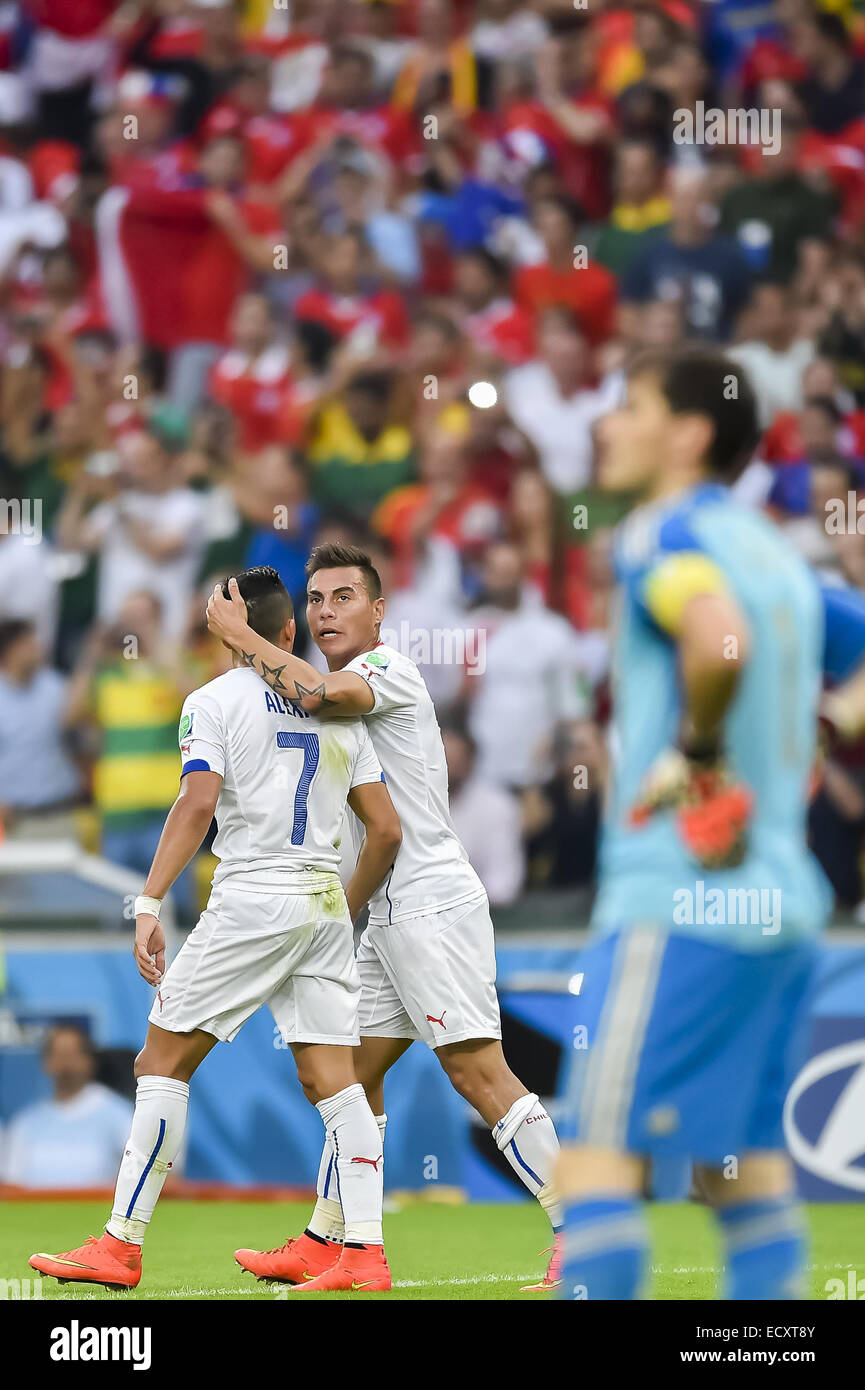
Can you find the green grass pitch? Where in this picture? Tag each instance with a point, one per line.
(435, 1251)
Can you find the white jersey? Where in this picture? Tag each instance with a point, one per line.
(285, 778)
(432, 870)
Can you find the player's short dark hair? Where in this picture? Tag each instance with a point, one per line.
(697, 379)
(268, 602)
(334, 556)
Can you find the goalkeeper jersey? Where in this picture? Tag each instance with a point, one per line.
(646, 873)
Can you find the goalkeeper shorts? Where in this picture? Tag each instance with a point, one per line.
(684, 1047)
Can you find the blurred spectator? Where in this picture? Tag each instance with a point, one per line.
(147, 532)
(564, 815)
(131, 686)
(640, 206)
(286, 519)
(28, 583)
(445, 504)
(497, 329)
(38, 779)
(773, 354)
(71, 50)
(358, 450)
(774, 209)
(345, 304)
(833, 89)
(487, 820)
(207, 69)
(566, 276)
(76, 1139)
(552, 401)
(692, 263)
(252, 378)
(360, 194)
(530, 676)
(843, 337)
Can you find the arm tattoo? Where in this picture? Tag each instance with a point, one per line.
(250, 657)
(272, 675)
(302, 692)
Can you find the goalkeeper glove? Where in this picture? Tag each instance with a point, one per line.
(712, 810)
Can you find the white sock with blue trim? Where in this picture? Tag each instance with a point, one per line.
(326, 1221)
(357, 1163)
(527, 1138)
(153, 1144)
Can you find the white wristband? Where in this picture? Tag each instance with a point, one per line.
(150, 905)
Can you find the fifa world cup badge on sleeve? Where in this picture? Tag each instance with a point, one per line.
(375, 661)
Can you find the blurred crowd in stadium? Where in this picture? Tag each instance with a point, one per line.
(277, 272)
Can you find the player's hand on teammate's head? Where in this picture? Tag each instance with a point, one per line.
(226, 617)
(149, 948)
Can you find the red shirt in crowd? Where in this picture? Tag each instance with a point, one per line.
(383, 312)
(782, 442)
(74, 19)
(184, 271)
(591, 292)
(502, 328)
(469, 521)
(253, 389)
(584, 168)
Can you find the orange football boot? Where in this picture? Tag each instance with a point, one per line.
(359, 1269)
(553, 1276)
(293, 1263)
(100, 1260)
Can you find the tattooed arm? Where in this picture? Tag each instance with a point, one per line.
(338, 693)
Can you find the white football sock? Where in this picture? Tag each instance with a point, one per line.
(357, 1162)
(153, 1144)
(527, 1138)
(326, 1220)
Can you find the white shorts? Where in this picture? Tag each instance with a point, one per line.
(431, 978)
(289, 951)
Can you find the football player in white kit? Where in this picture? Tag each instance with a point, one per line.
(427, 958)
(277, 930)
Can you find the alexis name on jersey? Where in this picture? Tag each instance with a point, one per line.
(286, 775)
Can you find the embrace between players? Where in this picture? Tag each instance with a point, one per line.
(695, 1027)
(275, 751)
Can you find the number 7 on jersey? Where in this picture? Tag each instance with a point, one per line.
(309, 744)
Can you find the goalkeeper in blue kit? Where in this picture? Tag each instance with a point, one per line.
(696, 981)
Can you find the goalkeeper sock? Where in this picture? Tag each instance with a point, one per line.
(604, 1249)
(326, 1221)
(153, 1145)
(357, 1163)
(527, 1138)
(765, 1249)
